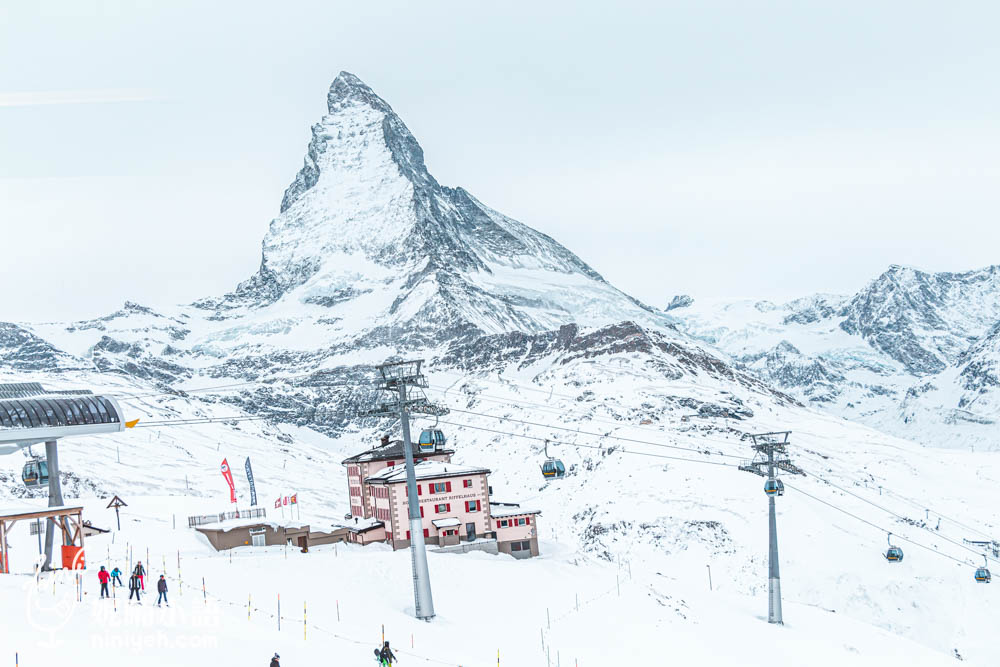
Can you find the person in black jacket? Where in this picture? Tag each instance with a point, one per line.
(274, 660)
(135, 588)
(388, 657)
(140, 572)
(161, 588)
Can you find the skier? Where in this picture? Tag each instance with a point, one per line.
(161, 587)
(104, 577)
(378, 656)
(388, 657)
(134, 586)
(140, 572)
(274, 660)
(116, 575)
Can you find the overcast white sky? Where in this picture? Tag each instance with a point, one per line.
(720, 149)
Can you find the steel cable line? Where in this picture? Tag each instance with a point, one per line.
(522, 403)
(727, 465)
(876, 526)
(561, 443)
(597, 435)
(707, 439)
(898, 516)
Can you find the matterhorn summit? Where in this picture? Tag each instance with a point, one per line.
(368, 237)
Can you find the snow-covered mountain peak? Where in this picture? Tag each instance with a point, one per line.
(365, 225)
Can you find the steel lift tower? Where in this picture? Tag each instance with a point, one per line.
(401, 393)
(771, 454)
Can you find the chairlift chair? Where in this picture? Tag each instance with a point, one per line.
(553, 468)
(893, 554)
(983, 573)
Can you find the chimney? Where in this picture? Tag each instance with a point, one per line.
(385, 440)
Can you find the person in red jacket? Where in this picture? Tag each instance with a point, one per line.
(104, 577)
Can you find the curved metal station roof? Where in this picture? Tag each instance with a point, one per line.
(30, 414)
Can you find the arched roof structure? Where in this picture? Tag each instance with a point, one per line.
(29, 414)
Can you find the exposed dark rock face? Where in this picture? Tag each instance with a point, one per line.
(21, 350)
(679, 301)
(923, 319)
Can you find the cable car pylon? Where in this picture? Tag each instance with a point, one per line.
(771, 454)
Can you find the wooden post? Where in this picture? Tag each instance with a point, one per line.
(279, 612)
(203, 593)
(248, 606)
(338, 611)
(305, 623)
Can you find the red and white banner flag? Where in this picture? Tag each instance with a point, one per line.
(285, 502)
(277, 503)
(229, 480)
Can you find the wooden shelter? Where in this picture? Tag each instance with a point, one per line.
(68, 519)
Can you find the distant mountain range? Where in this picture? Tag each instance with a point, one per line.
(913, 353)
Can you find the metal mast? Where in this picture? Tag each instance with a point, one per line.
(400, 393)
(771, 453)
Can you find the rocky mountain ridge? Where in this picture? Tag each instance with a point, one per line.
(912, 352)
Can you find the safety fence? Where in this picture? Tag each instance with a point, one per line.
(254, 513)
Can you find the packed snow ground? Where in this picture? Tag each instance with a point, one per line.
(485, 604)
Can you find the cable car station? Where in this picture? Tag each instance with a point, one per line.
(31, 415)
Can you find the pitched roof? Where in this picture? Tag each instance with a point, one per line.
(425, 470)
(393, 450)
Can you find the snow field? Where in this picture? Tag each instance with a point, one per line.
(484, 604)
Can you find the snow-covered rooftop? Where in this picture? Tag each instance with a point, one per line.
(232, 524)
(360, 525)
(450, 522)
(391, 451)
(511, 510)
(425, 470)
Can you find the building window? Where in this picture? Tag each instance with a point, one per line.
(472, 506)
(443, 508)
(467, 483)
(441, 487)
(504, 523)
(520, 546)
(522, 521)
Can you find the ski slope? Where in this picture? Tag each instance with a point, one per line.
(525, 610)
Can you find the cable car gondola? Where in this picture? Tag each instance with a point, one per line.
(35, 473)
(553, 468)
(893, 554)
(983, 573)
(774, 487)
(431, 440)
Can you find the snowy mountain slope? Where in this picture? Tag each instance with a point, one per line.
(911, 353)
